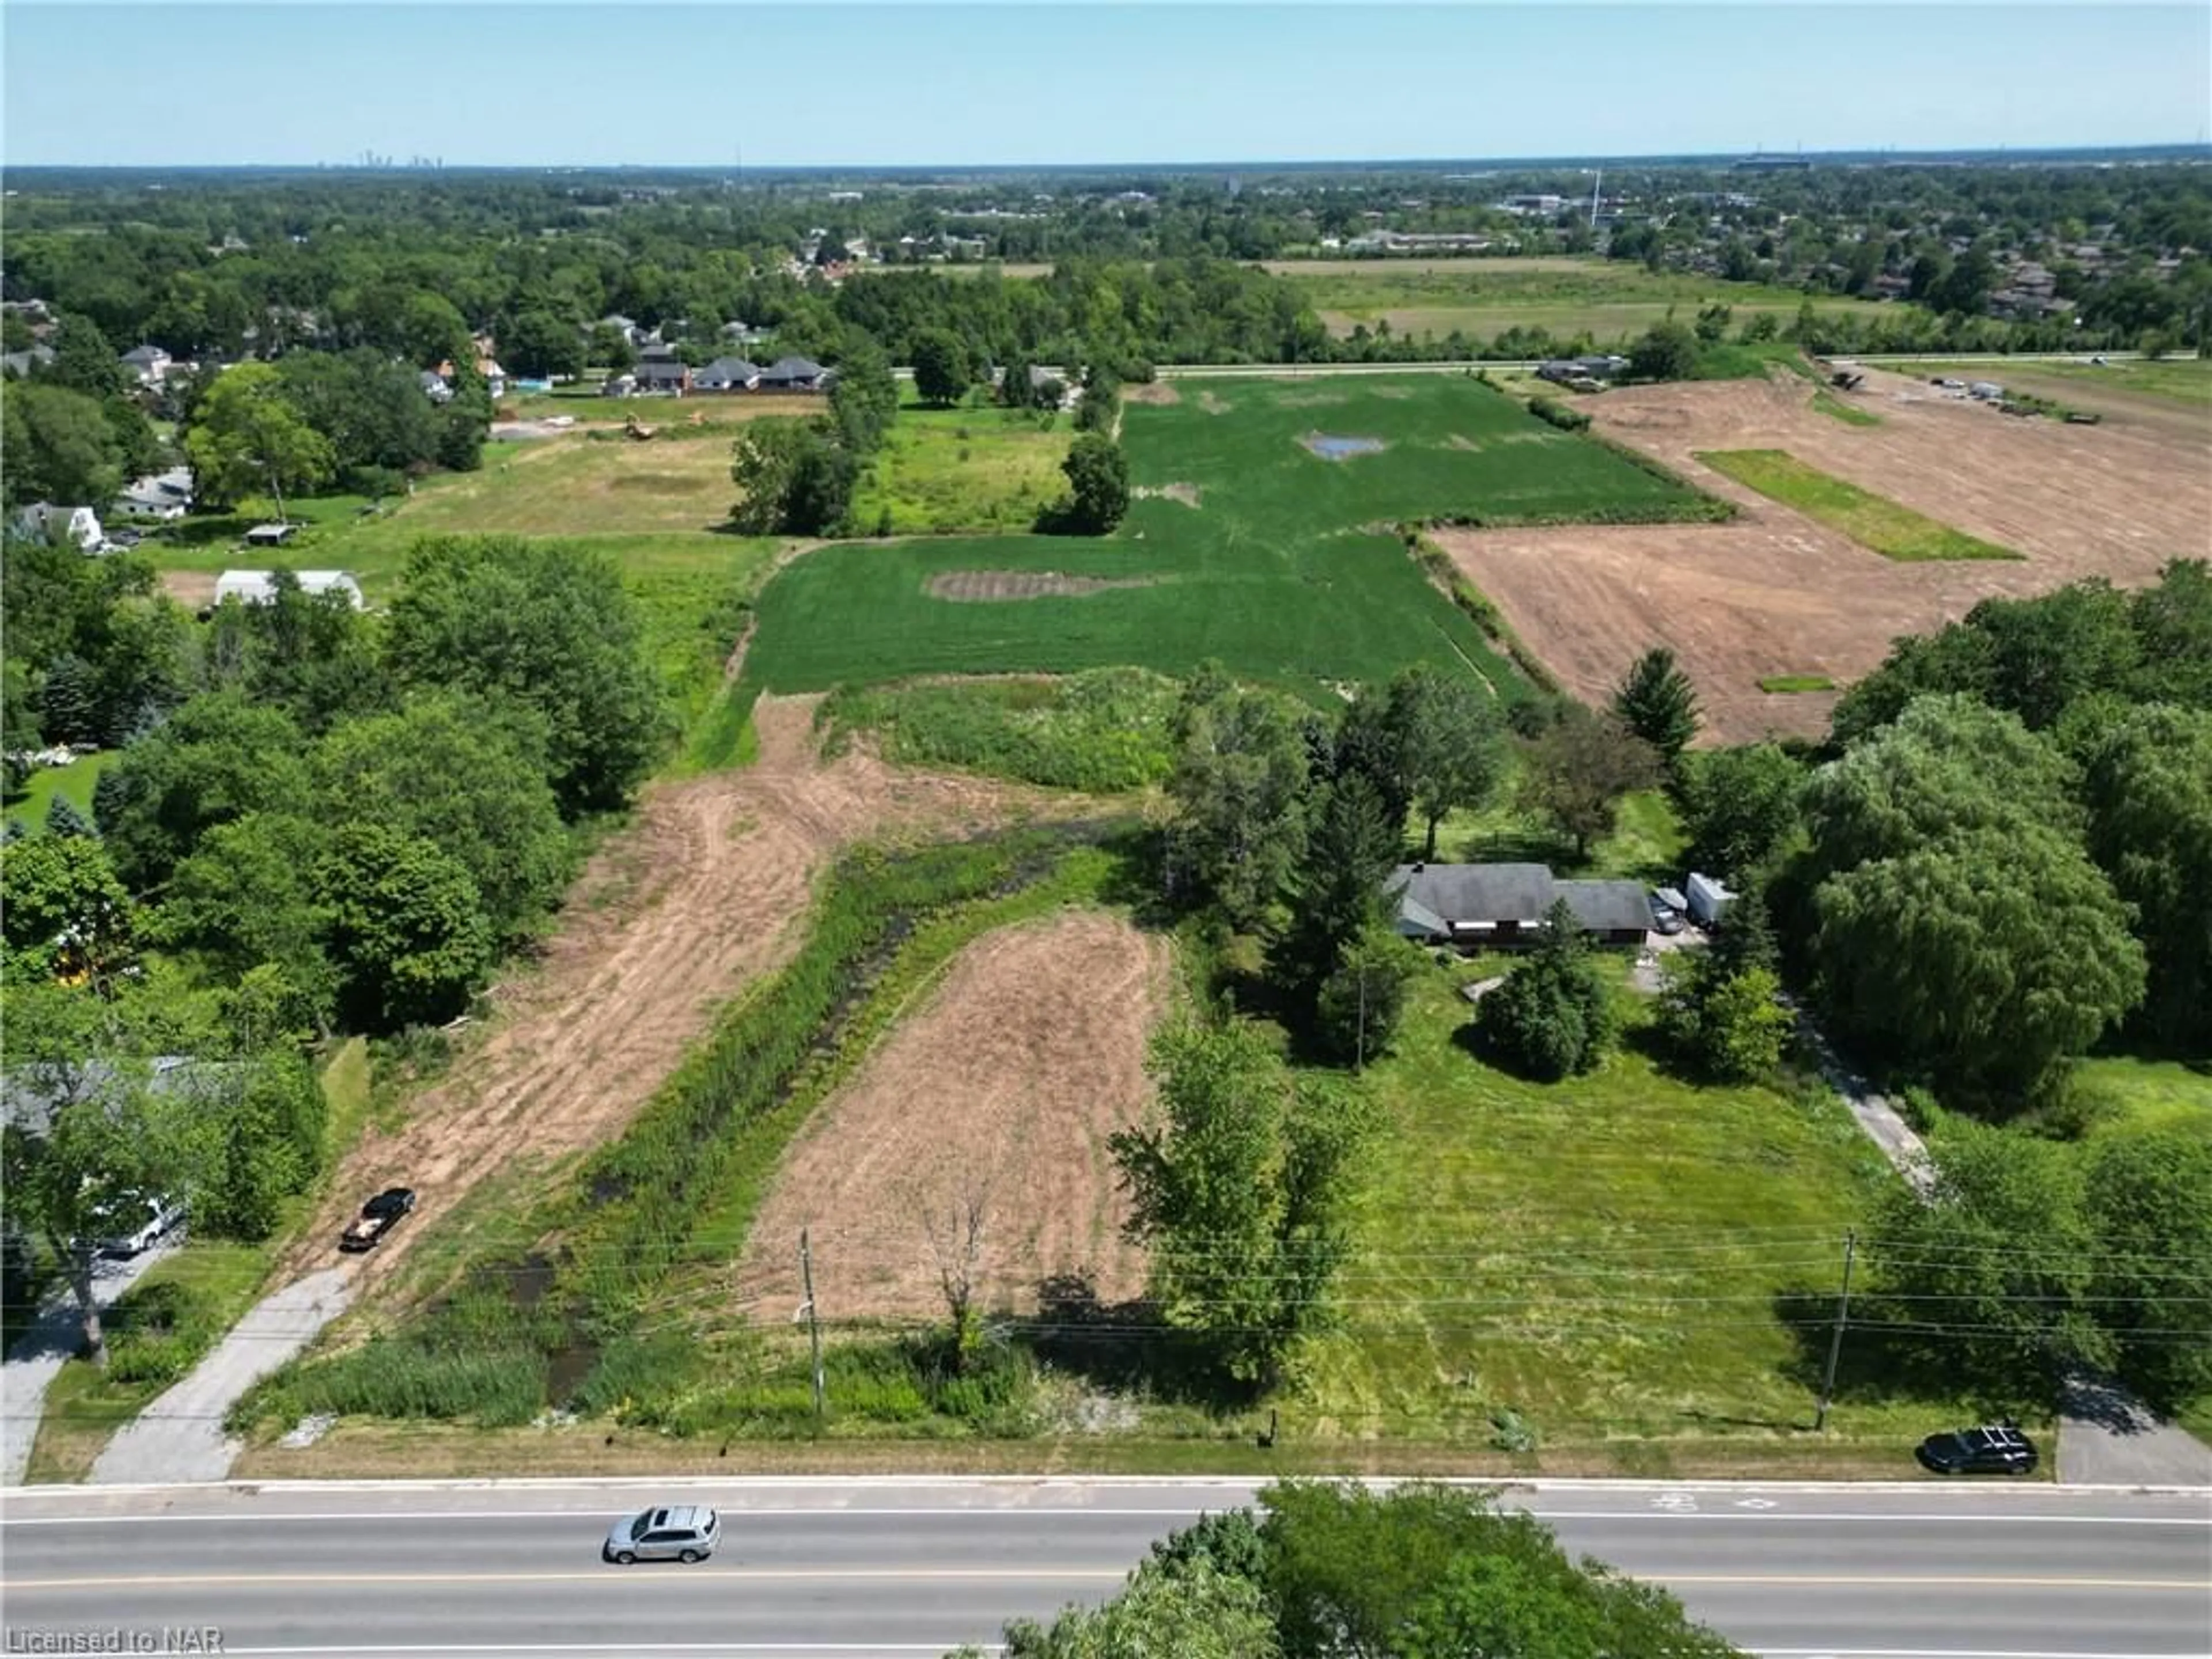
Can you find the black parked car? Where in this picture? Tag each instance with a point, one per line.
(378, 1216)
(1994, 1451)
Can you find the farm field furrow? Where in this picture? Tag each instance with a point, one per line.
(1002, 1087)
(1776, 594)
(702, 895)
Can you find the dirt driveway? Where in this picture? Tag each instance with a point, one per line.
(1775, 594)
(673, 916)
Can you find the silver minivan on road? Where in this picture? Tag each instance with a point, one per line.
(684, 1532)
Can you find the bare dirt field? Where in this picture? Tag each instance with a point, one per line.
(1004, 1086)
(701, 893)
(192, 589)
(986, 587)
(1775, 594)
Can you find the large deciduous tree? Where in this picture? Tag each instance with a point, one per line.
(1667, 351)
(795, 476)
(1097, 486)
(1448, 740)
(59, 446)
(1983, 958)
(407, 933)
(1655, 701)
(468, 777)
(864, 401)
(219, 757)
(942, 373)
(1739, 808)
(541, 344)
(62, 909)
(545, 628)
(1575, 771)
(246, 435)
(1239, 778)
(1237, 1188)
(2148, 786)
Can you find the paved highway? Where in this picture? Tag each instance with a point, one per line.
(895, 1568)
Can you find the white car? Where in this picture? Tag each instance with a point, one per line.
(138, 1223)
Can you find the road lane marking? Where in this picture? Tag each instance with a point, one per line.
(995, 1574)
(594, 1573)
(251, 1517)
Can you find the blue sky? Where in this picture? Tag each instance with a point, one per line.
(918, 84)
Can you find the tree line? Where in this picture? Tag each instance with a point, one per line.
(319, 822)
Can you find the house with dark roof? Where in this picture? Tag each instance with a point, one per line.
(793, 374)
(726, 374)
(1493, 907)
(149, 365)
(659, 369)
(21, 363)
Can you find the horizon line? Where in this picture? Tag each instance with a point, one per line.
(1897, 152)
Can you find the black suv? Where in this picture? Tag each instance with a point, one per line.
(1996, 1451)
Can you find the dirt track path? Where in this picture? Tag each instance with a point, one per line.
(671, 917)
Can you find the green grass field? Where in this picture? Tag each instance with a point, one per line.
(1285, 568)
(652, 508)
(1603, 1257)
(73, 782)
(2152, 1093)
(1894, 530)
(1610, 301)
(1787, 684)
(946, 470)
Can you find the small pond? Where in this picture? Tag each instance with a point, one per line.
(1338, 449)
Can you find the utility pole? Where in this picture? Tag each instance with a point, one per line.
(813, 1322)
(1836, 1340)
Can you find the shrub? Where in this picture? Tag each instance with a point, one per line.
(1553, 1017)
(1551, 412)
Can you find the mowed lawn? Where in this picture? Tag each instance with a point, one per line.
(73, 783)
(1609, 300)
(1601, 1256)
(1281, 563)
(945, 469)
(1886, 527)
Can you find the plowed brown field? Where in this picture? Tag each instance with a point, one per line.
(1004, 1088)
(1777, 594)
(704, 892)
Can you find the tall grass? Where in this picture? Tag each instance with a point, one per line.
(1103, 731)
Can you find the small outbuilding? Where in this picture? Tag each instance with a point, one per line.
(259, 586)
(1708, 899)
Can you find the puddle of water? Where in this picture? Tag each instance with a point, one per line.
(1338, 449)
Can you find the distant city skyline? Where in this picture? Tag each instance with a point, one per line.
(1043, 85)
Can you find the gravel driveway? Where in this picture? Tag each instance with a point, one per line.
(179, 1436)
(39, 1354)
(2107, 1437)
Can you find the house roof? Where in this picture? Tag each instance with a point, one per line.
(1608, 906)
(661, 369)
(1473, 892)
(24, 362)
(1434, 898)
(792, 368)
(259, 586)
(30, 1095)
(729, 368)
(145, 353)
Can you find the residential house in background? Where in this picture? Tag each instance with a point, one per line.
(259, 586)
(726, 374)
(618, 385)
(162, 495)
(435, 386)
(495, 377)
(71, 527)
(659, 369)
(1501, 907)
(794, 374)
(148, 364)
(21, 363)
